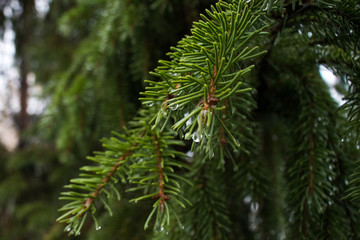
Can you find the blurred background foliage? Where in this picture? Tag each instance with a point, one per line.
(90, 59)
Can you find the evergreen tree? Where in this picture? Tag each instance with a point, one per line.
(97, 94)
(238, 136)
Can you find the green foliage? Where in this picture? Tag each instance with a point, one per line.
(260, 129)
(144, 158)
(237, 137)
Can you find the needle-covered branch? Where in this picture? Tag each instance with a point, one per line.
(96, 182)
(203, 71)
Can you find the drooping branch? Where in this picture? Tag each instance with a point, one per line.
(90, 200)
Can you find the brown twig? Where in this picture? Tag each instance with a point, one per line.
(161, 193)
(105, 180)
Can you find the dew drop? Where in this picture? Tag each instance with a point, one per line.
(182, 227)
(247, 199)
(346, 182)
(254, 206)
(98, 228)
(150, 104)
(330, 178)
(167, 233)
(309, 34)
(174, 107)
(196, 137)
(162, 229)
(190, 154)
(68, 229)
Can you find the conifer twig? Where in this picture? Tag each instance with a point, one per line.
(161, 193)
(90, 200)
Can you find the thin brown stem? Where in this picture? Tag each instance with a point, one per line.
(161, 193)
(90, 200)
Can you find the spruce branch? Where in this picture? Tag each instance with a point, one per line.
(195, 83)
(92, 183)
(202, 93)
(161, 195)
(155, 173)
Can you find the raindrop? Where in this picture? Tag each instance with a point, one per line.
(299, 31)
(342, 140)
(247, 199)
(330, 178)
(254, 206)
(237, 143)
(309, 34)
(78, 234)
(357, 147)
(98, 228)
(162, 229)
(266, 7)
(196, 137)
(346, 182)
(330, 167)
(167, 233)
(150, 104)
(135, 201)
(336, 35)
(68, 229)
(182, 227)
(190, 154)
(330, 203)
(174, 107)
